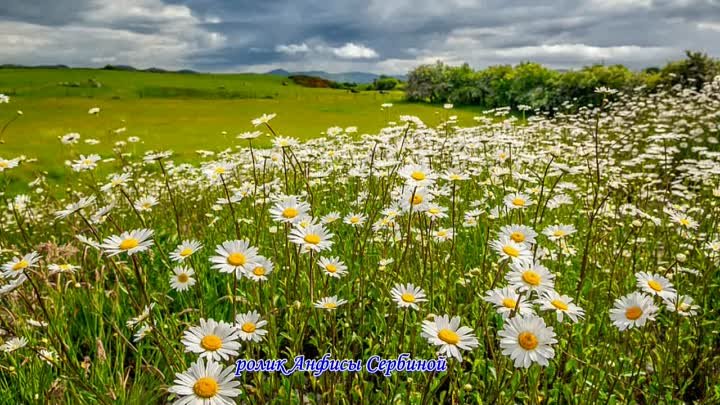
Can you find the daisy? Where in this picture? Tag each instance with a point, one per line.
(285, 142)
(70, 209)
(417, 175)
(234, 256)
(507, 300)
(289, 210)
(435, 211)
(330, 218)
(517, 201)
(561, 304)
(131, 242)
(17, 265)
(14, 344)
(116, 180)
(70, 138)
(185, 250)
(527, 340)
(264, 119)
(144, 330)
(212, 340)
(655, 284)
(249, 326)
(682, 304)
(558, 232)
(442, 235)
(683, 220)
(449, 335)
(519, 233)
(313, 237)
(354, 219)
(206, 384)
(85, 162)
(332, 266)
(452, 175)
(633, 310)
(262, 267)
(509, 249)
(418, 198)
(62, 268)
(8, 163)
(145, 203)
(329, 303)
(132, 322)
(408, 295)
(182, 278)
(530, 276)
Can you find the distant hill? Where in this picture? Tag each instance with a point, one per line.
(347, 77)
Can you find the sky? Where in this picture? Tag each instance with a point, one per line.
(379, 36)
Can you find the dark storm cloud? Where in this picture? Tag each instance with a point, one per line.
(377, 35)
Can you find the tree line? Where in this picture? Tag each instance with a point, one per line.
(535, 86)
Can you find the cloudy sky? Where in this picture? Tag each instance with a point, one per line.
(382, 36)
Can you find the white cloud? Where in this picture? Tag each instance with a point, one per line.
(292, 49)
(354, 51)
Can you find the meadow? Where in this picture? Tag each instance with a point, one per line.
(197, 111)
(560, 259)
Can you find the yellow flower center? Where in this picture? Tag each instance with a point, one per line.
(129, 243)
(633, 313)
(205, 387)
(65, 267)
(354, 220)
(518, 202)
(448, 336)
(248, 327)
(331, 268)
(183, 278)
(655, 285)
(312, 238)
(434, 210)
(509, 303)
(527, 340)
(559, 304)
(186, 252)
(510, 251)
(441, 233)
(3, 164)
(684, 222)
(517, 237)
(259, 271)
(146, 205)
(236, 259)
(219, 170)
(407, 297)
(419, 176)
(211, 342)
(22, 264)
(454, 176)
(531, 277)
(330, 305)
(290, 212)
(417, 199)
(559, 233)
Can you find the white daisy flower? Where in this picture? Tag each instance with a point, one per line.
(408, 295)
(289, 210)
(212, 340)
(181, 279)
(449, 335)
(13, 344)
(633, 310)
(354, 219)
(682, 304)
(509, 249)
(62, 268)
(558, 232)
(561, 304)
(417, 175)
(530, 276)
(138, 240)
(329, 303)
(17, 265)
(519, 233)
(506, 300)
(527, 340)
(517, 201)
(262, 267)
(655, 284)
(185, 250)
(250, 326)
(313, 237)
(234, 256)
(206, 384)
(332, 266)
(145, 203)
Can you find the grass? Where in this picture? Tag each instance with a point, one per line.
(184, 111)
(612, 198)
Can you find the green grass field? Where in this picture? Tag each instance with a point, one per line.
(185, 112)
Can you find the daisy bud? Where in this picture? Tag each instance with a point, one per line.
(637, 223)
(681, 258)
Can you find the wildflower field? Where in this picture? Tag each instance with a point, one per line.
(568, 258)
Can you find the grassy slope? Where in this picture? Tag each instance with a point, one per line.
(207, 105)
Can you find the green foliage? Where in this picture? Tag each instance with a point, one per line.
(533, 85)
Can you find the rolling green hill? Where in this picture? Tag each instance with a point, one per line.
(179, 111)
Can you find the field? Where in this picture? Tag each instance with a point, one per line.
(196, 111)
(562, 259)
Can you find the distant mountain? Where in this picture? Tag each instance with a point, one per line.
(347, 77)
